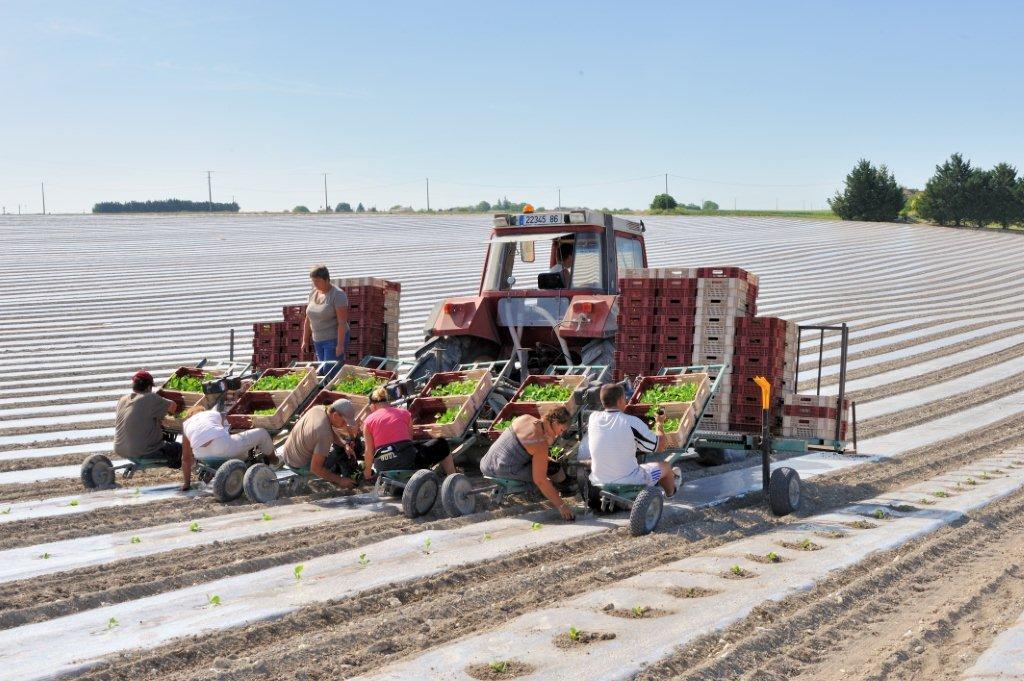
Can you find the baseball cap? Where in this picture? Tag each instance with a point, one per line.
(344, 408)
(142, 376)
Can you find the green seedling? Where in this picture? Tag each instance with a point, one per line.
(73, 502)
(448, 416)
(181, 415)
(187, 384)
(269, 411)
(194, 527)
(555, 451)
(498, 666)
(297, 570)
(806, 544)
(137, 492)
(502, 424)
(545, 392)
(487, 536)
(736, 570)
(112, 622)
(135, 540)
(363, 560)
(940, 494)
(639, 610)
(466, 387)
(426, 545)
(6, 511)
(574, 634)
(45, 556)
(985, 476)
(266, 516)
(661, 393)
(358, 386)
(972, 481)
(879, 513)
(773, 557)
(214, 599)
(536, 526)
(289, 381)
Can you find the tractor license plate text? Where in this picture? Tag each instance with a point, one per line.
(540, 219)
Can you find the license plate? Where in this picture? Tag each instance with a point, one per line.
(540, 219)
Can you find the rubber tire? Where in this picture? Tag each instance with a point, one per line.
(646, 512)
(98, 472)
(420, 493)
(457, 497)
(228, 481)
(260, 484)
(784, 491)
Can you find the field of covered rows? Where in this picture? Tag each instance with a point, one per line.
(904, 562)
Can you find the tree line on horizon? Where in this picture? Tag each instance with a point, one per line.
(957, 194)
(164, 206)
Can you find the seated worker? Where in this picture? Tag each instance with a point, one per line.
(387, 432)
(206, 434)
(564, 264)
(521, 453)
(309, 444)
(137, 430)
(613, 439)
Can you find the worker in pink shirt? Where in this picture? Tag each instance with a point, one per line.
(387, 432)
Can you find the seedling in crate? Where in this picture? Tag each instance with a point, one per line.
(298, 571)
(448, 416)
(188, 384)
(214, 600)
(359, 385)
(289, 381)
(502, 424)
(681, 392)
(540, 392)
(466, 387)
(574, 634)
(194, 527)
(363, 560)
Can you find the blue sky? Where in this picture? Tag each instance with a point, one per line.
(747, 102)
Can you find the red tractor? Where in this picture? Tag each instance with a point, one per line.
(548, 294)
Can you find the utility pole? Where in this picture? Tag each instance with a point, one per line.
(327, 206)
(42, 188)
(19, 209)
(666, 183)
(209, 191)
(428, 194)
(559, 198)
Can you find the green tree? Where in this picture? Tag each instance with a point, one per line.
(709, 205)
(360, 208)
(300, 209)
(871, 194)
(947, 196)
(1005, 195)
(663, 202)
(483, 206)
(343, 208)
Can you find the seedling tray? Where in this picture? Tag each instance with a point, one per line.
(571, 382)
(425, 411)
(241, 417)
(350, 371)
(482, 377)
(515, 409)
(676, 439)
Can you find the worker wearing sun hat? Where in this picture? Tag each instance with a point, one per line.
(137, 431)
(310, 441)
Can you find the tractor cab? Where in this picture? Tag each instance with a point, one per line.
(549, 288)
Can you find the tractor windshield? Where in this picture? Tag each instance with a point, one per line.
(548, 261)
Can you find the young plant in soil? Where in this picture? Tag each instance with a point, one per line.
(214, 600)
(861, 525)
(880, 514)
(426, 545)
(972, 481)
(940, 494)
(466, 387)
(135, 540)
(690, 592)
(498, 669)
(770, 557)
(536, 526)
(363, 560)
(576, 637)
(6, 511)
(111, 623)
(637, 612)
(555, 451)
(736, 572)
(926, 502)
(903, 508)
(831, 534)
(297, 571)
(540, 392)
(803, 545)
(194, 527)
(266, 516)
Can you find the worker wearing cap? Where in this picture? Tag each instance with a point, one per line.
(137, 430)
(310, 441)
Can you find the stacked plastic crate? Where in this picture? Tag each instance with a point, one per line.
(725, 297)
(765, 346)
(813, 417)
(655, 323)
(373, 315)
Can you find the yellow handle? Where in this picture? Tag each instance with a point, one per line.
(766, 391)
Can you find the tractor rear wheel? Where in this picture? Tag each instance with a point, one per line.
(97, 472)
(420, 493)
(455, 350)
(228, 480)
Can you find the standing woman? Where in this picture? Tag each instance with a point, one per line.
(326, 319)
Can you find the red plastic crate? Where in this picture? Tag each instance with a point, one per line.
(633, 336)
(294, 312)
(727, 273)
(674, 321)
(638, 284)
(636, 321)
(635, 347)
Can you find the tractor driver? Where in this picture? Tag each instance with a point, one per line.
(613, 439)
(521, 453)
(309, 444)
(564, 264)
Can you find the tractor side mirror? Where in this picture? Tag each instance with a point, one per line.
(527, 252)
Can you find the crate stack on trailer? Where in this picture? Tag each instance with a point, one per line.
(813, 417)
(707, 316)
(373, 315)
